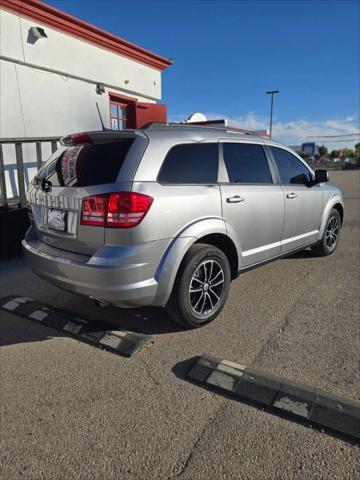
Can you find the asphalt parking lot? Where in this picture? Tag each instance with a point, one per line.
(71, 410)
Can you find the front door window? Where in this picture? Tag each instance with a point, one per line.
(291, 170)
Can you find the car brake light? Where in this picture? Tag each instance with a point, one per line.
(122, 209)
(127, 209)
(76, 139)
(94, 210)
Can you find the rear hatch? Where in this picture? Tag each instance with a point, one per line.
(86, 165)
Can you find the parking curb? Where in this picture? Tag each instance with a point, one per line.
(278, 394)
(121, 342)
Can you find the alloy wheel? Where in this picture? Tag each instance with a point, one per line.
(206, 287)
(332, 232)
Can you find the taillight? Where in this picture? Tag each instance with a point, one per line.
(122, 210)
(127, 209)
(94, 210)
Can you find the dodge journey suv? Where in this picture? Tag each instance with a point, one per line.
(167, 216)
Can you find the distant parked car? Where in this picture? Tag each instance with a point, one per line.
(168, 216)
(350, 163)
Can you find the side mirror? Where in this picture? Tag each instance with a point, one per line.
(321, 175)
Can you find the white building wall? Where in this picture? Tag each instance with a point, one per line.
(47, 88)
(38, 103)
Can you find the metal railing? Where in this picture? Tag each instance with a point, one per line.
(20, 199)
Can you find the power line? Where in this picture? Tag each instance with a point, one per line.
(338, 141)
(335, 136)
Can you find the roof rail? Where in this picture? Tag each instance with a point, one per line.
(200, 126)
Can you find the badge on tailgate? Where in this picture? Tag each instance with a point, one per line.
(56, 219)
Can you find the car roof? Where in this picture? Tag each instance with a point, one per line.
(205, 133)
(190, 129)
(182, 132)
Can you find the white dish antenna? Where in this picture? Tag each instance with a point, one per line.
(196, 117)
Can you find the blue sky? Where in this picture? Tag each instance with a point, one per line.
(228, 53)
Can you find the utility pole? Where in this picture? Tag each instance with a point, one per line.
(272, 93)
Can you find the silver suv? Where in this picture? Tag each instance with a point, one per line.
(169, 215)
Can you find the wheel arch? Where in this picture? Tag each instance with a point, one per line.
(212, 231)
(340, 209)
(334, 202)
(227, 246)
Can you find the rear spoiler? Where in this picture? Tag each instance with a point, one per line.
(102, 136)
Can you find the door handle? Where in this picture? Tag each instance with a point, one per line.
(235, 199)
(291, 195)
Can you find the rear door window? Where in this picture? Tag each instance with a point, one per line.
(86, 165)
(191, 163)
(246, 163)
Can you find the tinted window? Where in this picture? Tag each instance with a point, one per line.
(246, 163)
(290, 168)
(85, 165)
(191, 163)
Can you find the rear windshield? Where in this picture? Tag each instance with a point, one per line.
(85, 165)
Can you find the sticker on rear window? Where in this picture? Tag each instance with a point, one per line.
(69, 164)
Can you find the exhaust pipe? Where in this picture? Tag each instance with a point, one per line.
(99, 303)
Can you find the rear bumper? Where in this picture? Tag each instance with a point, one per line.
(120, 275)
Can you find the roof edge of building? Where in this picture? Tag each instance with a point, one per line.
(51, 16)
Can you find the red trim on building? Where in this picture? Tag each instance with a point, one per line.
(139, 113)
(36, 10)
(122, 98)
(149, 113)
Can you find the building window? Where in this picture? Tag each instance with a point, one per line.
(118, 115)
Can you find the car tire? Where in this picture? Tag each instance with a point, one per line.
(206, 272)
(331, 236)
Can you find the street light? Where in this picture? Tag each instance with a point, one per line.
(272, 93)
